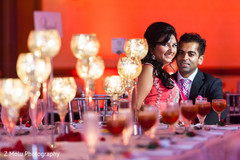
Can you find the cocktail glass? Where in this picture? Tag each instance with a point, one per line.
(170, 115)
(219, 105)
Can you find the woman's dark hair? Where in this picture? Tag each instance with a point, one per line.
(153, 33)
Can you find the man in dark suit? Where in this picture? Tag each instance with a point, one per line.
(191, 54)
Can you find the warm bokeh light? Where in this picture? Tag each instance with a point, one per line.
(107, 19)
(44, 42)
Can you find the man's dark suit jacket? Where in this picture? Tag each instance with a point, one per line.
(209, 87)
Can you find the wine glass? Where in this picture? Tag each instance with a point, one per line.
(41, 111)
(115, 126)
(114, 87)
(189, 112)
(148, 120)
(13, 95)
(91, 131)
(62, 90)
(170, 115)
(44, 43)
(218, 106)
(33, 71)
(128, 129)
(204, 107)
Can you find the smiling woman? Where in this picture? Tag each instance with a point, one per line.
(155, 87)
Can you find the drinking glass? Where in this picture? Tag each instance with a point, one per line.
(41, 111)
(189, 112)
(13, 95)
(62, 90)
(204, 107)
(9, 118)
(33, 71)
(170, 115)
(148, 120)
(91, 131)
(116, 124)
(218, 106)
(128, 129)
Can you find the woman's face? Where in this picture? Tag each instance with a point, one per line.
(165, 53)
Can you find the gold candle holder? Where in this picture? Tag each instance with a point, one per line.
(44, 43)
(114, 87)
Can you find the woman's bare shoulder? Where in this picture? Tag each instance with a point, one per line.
(147, 71)
(148, 67)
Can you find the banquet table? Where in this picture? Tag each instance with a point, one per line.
(219, 143)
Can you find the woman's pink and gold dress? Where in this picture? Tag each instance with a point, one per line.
(160, 96)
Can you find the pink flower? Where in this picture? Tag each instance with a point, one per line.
(200, 97)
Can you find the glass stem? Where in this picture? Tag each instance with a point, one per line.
(136, 100)
(35, 93)
(219, 117)
(89, 90)
(202, 119)
(62, 111)
(114, 104)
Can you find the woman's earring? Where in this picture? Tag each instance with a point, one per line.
(153, 57)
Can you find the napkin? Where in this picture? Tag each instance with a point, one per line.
(196, 138)
(215, 132)
(153, 153)
(227, 127)
(186, 145)
(71, 137)
(18, 147)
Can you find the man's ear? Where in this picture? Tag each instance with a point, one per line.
(201, 58)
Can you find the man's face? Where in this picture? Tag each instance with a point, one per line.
(188, 58)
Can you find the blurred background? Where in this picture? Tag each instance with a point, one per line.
(217, 21)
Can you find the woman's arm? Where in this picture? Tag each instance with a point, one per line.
(145, 82)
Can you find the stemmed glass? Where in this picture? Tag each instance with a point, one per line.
(91, 131)
(170, 115)
(114, 87)
(218, 106)
(116, 125)
(13, 95)
(204, 107)
(189, 112)
(148, 120)
(41, 111)
(128, 129)
(63, 90)
(33, 71)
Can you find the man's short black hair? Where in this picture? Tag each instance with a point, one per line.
(194, 37)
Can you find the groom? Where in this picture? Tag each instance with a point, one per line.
(191, 54)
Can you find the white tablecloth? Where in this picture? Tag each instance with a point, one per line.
(222, 143)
